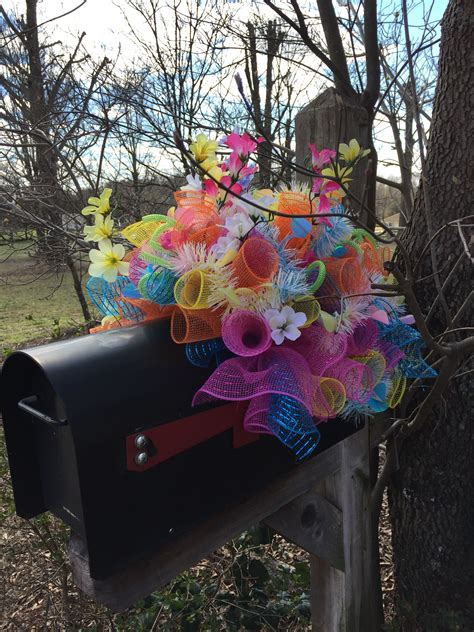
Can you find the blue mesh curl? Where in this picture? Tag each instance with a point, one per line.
(158, 286)
(293, 425)
(103, 294)
(204, 352)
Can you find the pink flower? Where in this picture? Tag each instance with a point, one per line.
(242, 144)
(166, 241)
(234, 164)
(321, 158)
(211, 188)
(227, 182)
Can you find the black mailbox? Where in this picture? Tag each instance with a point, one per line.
(100, 431)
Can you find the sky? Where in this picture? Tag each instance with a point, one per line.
(106, 34)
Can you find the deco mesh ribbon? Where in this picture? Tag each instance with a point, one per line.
(279, 305)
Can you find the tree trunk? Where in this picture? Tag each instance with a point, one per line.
(432, 496)
(79, 290)
(45, 181)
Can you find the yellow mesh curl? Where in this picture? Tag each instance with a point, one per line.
(396, 390)
(139, 232)
(309, 306)
(375, 361)
(330, 398)
(193, 289)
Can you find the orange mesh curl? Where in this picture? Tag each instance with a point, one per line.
(300, 245)
(370, 257)
(194, 198)
(347, 274)
(114, 324)
(309, 306)
(255, 263)
(293, 203)
(194, 325)
(207, 236)
(192, 290)
(149, 309)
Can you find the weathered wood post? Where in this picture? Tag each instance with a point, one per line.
(347, 598)
(331, 119)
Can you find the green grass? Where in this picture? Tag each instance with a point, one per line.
(34, 303)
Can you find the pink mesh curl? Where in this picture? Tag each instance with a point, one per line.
(280, 371)
(137, 267)
(257, 414)
(363, 338)
(320, 348)
(246, 333)
(352, 375)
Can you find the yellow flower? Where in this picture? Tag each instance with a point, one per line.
(99, 204)
(210, 167)
(352, 151)
(107, 261)
(102, 229)
(203, 148)
(340, 173)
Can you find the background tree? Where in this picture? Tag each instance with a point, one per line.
(49, 124)
(332, 53)
(432, 494)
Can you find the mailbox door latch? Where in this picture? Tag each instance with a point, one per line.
(152, 446)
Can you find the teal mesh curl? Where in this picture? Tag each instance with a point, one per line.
(292, 424)
(158, 286)
(409, 340)
(412, 365)
(203, 353)
(103, 295)
(130, 312)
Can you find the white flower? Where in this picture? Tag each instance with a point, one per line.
(194, 183)
(285, 323)
(107, 261)
(239, 225)
(224, 244)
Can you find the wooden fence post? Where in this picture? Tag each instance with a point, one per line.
(328, 120)
(346, 600)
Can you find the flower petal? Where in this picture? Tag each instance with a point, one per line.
(119, 251)
(96, 256)
(299, 319)
(277, 336)
(97, 269)
(110, 275)
(270, 313)
(105, 246)
(287, 312)
(277, 321)
(123, 268)
(292, 332)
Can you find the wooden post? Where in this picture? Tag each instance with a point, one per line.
(349, 598)
(328, 120)
(346, 601)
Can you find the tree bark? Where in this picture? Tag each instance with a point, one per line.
(432, 494)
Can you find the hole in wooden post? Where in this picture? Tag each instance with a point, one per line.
(308, 516)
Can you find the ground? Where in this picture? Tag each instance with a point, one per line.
(35, 303)
(256, 582)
